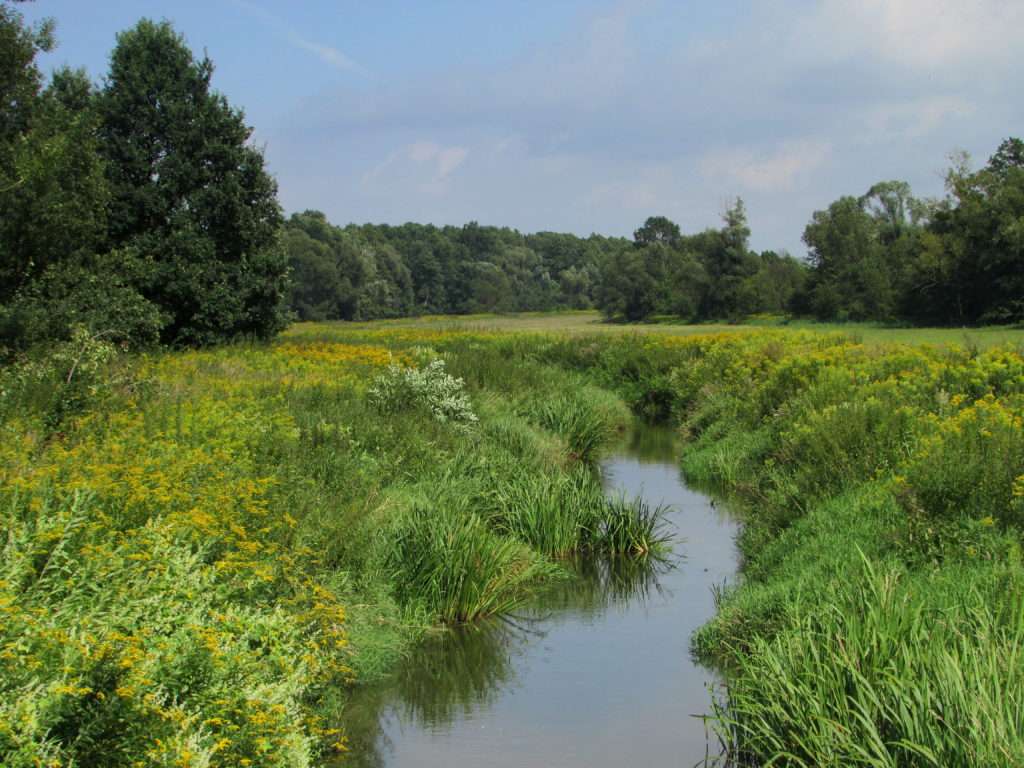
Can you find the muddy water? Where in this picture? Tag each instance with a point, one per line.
(596, 673)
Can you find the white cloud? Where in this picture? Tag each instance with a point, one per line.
(922, 34)
(326, 53)
(449, 159)
(913, 119)
(777, 169)
(425, 165)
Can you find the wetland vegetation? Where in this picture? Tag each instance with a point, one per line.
(211, 547)
(228, 539)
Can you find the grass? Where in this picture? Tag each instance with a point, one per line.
(894, 670)
(449, 559)
(589, 322)
(203, 551)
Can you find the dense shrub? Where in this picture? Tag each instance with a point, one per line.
(430, 389)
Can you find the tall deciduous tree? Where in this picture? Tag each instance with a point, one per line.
(188, 193)
(851, 279)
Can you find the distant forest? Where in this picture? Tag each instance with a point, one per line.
(137, 209)
(884, 255)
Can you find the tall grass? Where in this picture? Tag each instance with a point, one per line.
(892, 671)
(570, 513)
(586, 428)
(633, 527)
(450, 559)
(555, 513)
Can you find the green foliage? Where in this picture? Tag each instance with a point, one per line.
(887, 255)
(557, 514)
(584, 427)
(53, 197)
(188, 191)
(894, 670)
(632, 527)
(93, 635)
(658, 229)
(448, 557)
(139, 210)
(72, 376)
(970, 466)
(850, 280)
(20, 79)
(99, 293)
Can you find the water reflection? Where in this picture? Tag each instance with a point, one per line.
(650, 443)
(594, 672)
(464, 669)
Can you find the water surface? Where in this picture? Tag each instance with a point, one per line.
(595, 673)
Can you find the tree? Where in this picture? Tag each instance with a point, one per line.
(53, 198)
(189, 193)
(20, 79)
(981, 229)
(658, 229)
(892, 205)
(53, 203)
(771, 289)
(20, 84)
(851, 279)
(728, 262)
(1008, 156)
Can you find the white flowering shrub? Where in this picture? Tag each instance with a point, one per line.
(430, 388)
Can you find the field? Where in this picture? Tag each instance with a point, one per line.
(590, 322)
(203, 551)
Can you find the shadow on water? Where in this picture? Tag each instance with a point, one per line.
(595, 671)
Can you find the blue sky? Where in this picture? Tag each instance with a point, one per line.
(589, 117)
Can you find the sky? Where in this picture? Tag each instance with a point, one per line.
(589, 117)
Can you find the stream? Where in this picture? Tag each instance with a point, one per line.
(596, 672)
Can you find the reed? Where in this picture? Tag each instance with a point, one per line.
(633, 527)
(895, 671)
(556, 514)
(449, 559)
(585, 429)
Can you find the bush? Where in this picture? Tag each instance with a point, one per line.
(973, 465)
(430, 389)
(72, 375)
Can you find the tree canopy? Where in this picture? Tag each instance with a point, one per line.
(138, 209)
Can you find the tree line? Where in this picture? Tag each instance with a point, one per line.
(365, 272)
(884, 256)
(138, 209)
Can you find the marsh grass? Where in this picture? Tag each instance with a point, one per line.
(557, 514)
(895, 670)
(569, 514)
(451, 560)
(631, 526)
(585, 429)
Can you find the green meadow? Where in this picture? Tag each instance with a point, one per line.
(206, 550)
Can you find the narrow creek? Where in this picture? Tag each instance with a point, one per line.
(594, 673)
